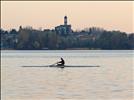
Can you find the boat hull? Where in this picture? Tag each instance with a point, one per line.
(73, 66)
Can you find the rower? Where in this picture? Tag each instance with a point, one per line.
(61, 63)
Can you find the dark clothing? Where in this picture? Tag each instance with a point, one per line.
(61, 63)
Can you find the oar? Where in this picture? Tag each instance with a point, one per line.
(53, 64)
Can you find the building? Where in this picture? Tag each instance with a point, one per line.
(63, 29)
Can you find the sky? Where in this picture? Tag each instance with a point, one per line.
(110, 15)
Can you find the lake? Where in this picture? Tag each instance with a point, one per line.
(113, 80)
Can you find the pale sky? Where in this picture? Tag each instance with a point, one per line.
(110, 15)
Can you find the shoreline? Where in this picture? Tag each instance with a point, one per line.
(65, 49)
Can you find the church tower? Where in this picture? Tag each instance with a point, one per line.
(65, 20)
(63, 29)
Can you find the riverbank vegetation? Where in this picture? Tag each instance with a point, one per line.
(90, 38)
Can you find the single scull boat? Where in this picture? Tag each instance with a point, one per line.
(73, 66)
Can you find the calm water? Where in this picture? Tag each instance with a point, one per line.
(112, 81)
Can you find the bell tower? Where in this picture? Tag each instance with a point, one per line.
(65, 20)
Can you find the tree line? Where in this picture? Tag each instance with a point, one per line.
(90, 38)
